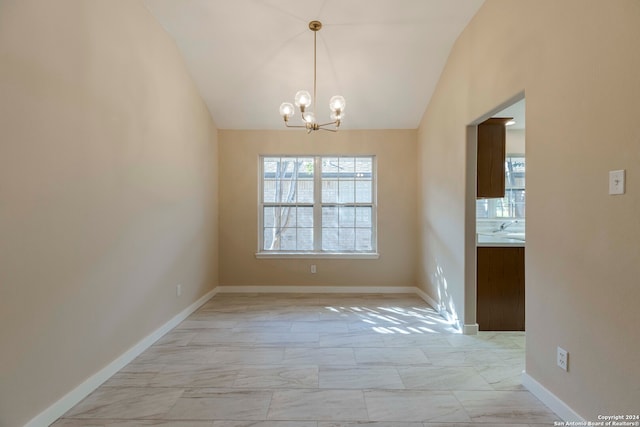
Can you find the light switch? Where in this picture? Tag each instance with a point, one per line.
(616, 182)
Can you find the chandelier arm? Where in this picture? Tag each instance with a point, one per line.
(330, 123)
(328, 130)
(294, 126)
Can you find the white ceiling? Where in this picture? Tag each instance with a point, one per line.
(248, 56)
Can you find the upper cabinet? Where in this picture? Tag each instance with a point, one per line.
(491, 158)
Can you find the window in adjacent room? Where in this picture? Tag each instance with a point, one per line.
(317, 205)
(512, 205)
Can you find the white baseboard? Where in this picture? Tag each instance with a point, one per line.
(552, 401)
(318, 289)
(72, 398)
(470, 329)
(439, 308)
(422, 294)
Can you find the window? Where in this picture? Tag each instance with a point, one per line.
(317, 205)
(512, 205)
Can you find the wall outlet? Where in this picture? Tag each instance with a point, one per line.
(563, 359)
(313, 269)
(178, 290)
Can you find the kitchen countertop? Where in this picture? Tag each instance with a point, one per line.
(500, 240)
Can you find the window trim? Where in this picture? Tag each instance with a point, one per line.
(317, 215)
(313, 255)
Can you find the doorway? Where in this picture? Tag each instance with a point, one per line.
(495, 231)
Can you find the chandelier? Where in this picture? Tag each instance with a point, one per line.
(303, 100)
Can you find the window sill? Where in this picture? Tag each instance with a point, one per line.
(327, 255)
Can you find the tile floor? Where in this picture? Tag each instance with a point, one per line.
(285, 360)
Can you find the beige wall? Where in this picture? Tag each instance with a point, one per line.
(578, 63)
(395, 151)
(107, 192)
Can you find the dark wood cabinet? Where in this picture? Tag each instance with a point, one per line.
(500, 292)
(491, 158)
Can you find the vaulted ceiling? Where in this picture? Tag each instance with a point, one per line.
(248, 56)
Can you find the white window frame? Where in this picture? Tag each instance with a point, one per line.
(317, 252)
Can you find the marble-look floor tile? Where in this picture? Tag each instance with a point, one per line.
(176, 338)
(412, 340)
(130, 379)
(221, 404)
(236, 315)
(244, 356)
(143, 367)
(301, 360)
(265, 424)
(126, 403)
(322, 405)
(513, 356)
(368, 424)
(442, 378)
(450, 356)
(213, 337)
(504, 407)
(227, 303)
(301, 376)
(320, 326)
(487, 340)
(414, 405)
(247, 338)
(476, 425)
(192, 376)
(290, 314)
(351, 339)
(167, 355)
(390, 356)
(319, 356)
(502, 377)
(264, 326)
(503, 340)
(134, 375)
(360, 377)
(519, 340)
(361, 325)
(206, 324)
(67, 422)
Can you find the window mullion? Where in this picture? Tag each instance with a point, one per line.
(261, 205)
(317, 203)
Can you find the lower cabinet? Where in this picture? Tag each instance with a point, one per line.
(500, 288)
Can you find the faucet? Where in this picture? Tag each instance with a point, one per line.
(505, 225)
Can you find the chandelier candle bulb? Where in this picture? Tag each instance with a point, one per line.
(286, 110)
(303, 100)
(309, 117)
(337, 103)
